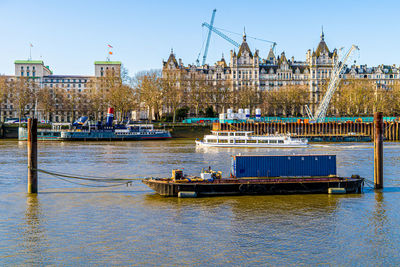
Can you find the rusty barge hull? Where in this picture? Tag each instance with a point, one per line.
(169, 188)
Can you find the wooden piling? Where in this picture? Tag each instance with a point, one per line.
(32, 156)
(378, 151)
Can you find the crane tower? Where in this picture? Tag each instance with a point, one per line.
(336, 77)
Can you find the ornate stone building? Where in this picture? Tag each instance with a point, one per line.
(247, 68)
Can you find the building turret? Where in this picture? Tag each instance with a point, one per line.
(244, 49)
(271, 56)
(322, 48)
(171, 63)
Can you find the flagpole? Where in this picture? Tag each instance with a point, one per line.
(30, 51)
(109, 52)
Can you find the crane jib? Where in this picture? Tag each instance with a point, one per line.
(339, 66)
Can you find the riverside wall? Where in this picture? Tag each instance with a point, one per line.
(391, 129)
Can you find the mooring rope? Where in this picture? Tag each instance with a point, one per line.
(65, 177)
(368, 181)
(72, 182)
(87, 177)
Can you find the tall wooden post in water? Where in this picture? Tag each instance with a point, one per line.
(32, 156)
(378, 150)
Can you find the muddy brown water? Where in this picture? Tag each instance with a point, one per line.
(67, 224)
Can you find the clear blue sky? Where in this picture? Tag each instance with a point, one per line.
(70, 35)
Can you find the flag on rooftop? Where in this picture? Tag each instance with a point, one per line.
(31, 45)
(109, 46)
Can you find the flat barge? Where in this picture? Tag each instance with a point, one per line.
(262, 175)
(269, 186)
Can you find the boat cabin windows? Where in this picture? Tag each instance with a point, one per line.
(223, 134)
(251, 141)
(240, 141)
(273, 141)
(223, 141)
(263, 141)
(240, 134)
(280, 141)
(212, 140)
(141, 127)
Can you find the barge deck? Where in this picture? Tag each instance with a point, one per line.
(255, 186)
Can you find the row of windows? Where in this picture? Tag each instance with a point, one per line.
(223, 141)
(106, 68)
(63, 85)
(27, 68)
(65, 80)
(28, 73)
(245, 72)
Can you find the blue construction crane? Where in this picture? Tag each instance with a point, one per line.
(209, 37)
(211, 28)
(216, 30)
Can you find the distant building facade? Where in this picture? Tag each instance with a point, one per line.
(36, 71)
(246, 68)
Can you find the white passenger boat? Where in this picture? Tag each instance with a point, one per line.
(248, 139)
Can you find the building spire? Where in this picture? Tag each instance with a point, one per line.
(322, 33)
(244, 34)
(172, 51)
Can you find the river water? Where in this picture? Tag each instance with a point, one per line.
(67, 224)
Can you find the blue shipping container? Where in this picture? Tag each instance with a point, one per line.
(278, 166)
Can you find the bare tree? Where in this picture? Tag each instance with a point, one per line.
(396, 98)
(270, 102)
(46, 101)
(71, 103)
(95, 99)
(221, 96)
(288, 100)
(4, 91)
(22, 92)
(149, 92)
(198, 93)
(173, 92)
(122, 98)
(247, 96)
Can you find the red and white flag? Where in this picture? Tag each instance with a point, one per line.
(109, 46)
(31, 45)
